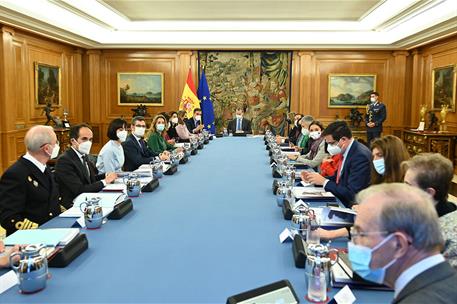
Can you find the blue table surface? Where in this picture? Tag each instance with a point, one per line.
(209, 231)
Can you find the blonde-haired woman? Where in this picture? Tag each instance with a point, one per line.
(154, 136)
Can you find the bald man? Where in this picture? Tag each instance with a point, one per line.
(396, 240)
(28, 194)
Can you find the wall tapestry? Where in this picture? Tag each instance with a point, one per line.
(259, 81)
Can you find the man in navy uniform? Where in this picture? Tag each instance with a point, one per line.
(29, 195)
(376, 114)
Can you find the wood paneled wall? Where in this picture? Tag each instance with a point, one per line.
(310, 82)
(424, 60)
(102, 94)
(18, 111)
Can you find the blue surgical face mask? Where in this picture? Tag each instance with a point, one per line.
(360, 258)
(160, 127)
(379, 166)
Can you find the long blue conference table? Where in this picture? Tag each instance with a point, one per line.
(208, 232)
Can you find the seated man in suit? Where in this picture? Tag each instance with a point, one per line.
(396, 240)
(353, 174)
(29, 195)
(239, 124)
(195, 124)
(136, 151)
(75, 173)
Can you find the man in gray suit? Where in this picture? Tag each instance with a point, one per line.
(396, 240)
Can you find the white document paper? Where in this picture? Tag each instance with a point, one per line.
(81, 222)
(290, 153)
(7, 281)
(305, 184)
(345, 296)
(116, 187)
(311, 192)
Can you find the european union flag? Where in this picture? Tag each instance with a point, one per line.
(206, 104)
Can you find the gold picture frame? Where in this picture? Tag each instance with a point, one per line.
(47, 84)
(444, 87)
(144, 88)
(350, 90)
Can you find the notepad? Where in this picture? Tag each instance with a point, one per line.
(48, 237)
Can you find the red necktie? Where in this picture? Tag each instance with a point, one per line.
(340, 163)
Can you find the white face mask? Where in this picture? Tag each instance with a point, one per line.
(55, 151)
(238, 116)
(198, 117)
(139, 131)
(122, 135)
(84, 148)
(372, 99)
(174, 120)
(333, 149)
(315, 134)
(304, 131)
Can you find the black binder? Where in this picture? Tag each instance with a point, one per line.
(65, 255)
(121, 209)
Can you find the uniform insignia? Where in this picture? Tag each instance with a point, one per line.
(26, 224)
(29, 178)
(35, 183)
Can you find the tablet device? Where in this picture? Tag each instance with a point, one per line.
(277, 292)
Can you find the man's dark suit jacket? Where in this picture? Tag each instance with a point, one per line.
(435, 285)
(355, 175)
(72, 178)
(245, 126)
(134, 155)
(27, 197)
(294, 134)
(191, 125)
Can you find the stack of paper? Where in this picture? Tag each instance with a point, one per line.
(48, 237)
(116, 187)
(335, 216)
(290, 153)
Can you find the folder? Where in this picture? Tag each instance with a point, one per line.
(48, 237)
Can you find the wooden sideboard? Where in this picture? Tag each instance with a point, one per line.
(430, 141)
(63, 136)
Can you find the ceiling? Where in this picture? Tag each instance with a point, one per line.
(236, 24)
(136, 10)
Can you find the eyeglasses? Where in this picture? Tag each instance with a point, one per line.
(355, 233)
(140, 126)
(57, 143)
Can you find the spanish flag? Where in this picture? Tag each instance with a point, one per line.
(189, 99)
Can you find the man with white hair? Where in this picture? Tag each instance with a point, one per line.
(396, 240)
(28, 194)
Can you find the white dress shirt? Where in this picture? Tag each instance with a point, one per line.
(34, 161)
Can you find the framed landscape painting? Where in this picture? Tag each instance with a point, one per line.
(350, 91)
(444, 87)
(47, 85)
(140, 88)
